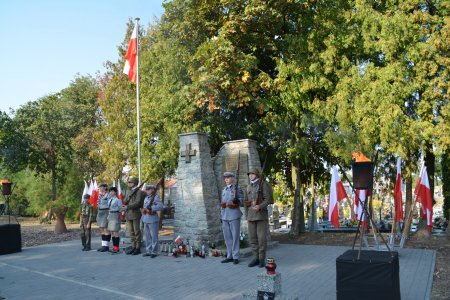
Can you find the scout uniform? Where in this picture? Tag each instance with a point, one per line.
(102, 218)
(230, 214)
(150, 218)
(86, 212)
(134, 200)
(115, 207)
(257, 219)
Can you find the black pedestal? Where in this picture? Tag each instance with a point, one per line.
(374, 276)
(10, 238)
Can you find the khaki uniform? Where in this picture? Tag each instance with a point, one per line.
(86, 212)
(134, 200)
(258, 219)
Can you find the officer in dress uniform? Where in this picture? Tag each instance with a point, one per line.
(115, 207)
(230, 214)
(150, 218)
(134, 201)
(102, 216)
(86, 212)
(259, 196)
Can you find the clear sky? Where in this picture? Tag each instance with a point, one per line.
(46, 43)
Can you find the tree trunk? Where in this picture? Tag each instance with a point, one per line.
(161, 192)
(313, 213)
(408, 198)
(298, 220)
(60, 214)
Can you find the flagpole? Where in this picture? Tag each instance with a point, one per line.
(137, 101)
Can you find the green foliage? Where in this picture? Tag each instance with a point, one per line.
(445, 162)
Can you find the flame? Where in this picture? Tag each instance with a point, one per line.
(358, 156)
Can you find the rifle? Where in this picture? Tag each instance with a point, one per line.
(236, 185)
(260, 184)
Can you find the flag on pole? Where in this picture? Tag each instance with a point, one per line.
(130, 58)
(398, 204)
(423, 194)
(337, 193)
(94, 195)
(85, 190)
(360, 198)
(119, 191)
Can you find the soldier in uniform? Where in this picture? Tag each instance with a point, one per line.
(115, 207)
(86, 212)
(102, 216)
(134, 201)
(150, 218)
(230, 214)
(259, 196)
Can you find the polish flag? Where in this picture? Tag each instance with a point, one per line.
(119, 191)
(94, 196)
(130, 58)
(360, 198)
(337, 193)
(398, 193)
(85, 190)
(423, 194)
(90, 189)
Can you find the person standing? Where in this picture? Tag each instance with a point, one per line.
(102, 216)
(230, 214)
(150, 218)
(259, 196)
(115, 207)
(134, 201)
(86, 212)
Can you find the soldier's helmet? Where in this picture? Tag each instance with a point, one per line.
(254, 171)
(133, 180)
(150, 187)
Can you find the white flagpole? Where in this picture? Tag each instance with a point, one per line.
(137, 100)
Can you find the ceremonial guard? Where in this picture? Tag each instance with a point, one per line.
(134, 201)
(86, 212)
(230, 214)
(150, 218)
(259, 196)
(102, 216)
(115, 207)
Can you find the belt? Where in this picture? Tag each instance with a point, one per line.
(112, 212)
(103, 208)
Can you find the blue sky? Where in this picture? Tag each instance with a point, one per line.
(45, 43)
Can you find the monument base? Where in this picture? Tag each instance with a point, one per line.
(10, 238)
(269, 287)
(374, 276)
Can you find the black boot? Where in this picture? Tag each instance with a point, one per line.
(253, 263)
(83, 243)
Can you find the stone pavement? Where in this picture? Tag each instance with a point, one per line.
(63, 271)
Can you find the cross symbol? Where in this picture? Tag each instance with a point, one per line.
(188, 153)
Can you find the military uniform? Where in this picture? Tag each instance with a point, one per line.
(102, 219)
(230, 214)
(115, 207)
(86, 212)
(150, 218)
(257, 219)
(134, 201)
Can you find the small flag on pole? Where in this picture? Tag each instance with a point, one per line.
(398, 193)
(130, 57)
(423, 193)
(337, 193)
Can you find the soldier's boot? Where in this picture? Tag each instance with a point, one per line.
(116, 243)
(83, 242)
(262, 261)
(255, 261)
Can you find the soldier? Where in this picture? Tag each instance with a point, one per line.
(230, 214)
(115, 207)
(150, 218)
(134, 200)
(86, 212)
(259, 196)
(102, 216)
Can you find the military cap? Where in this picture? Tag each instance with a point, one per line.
(103, 185)
(228, 174)
(149, 187)
(86, 196)
(113, 188)
(253, 171)
(133, 180)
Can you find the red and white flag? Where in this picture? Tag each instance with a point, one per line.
(119, 191)
(423, 194)
(398, 204)
(360, 198)
(85, 191)
(130, 58)
(337, 193)
(94, 195)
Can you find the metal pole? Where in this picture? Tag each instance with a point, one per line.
(137, 100)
